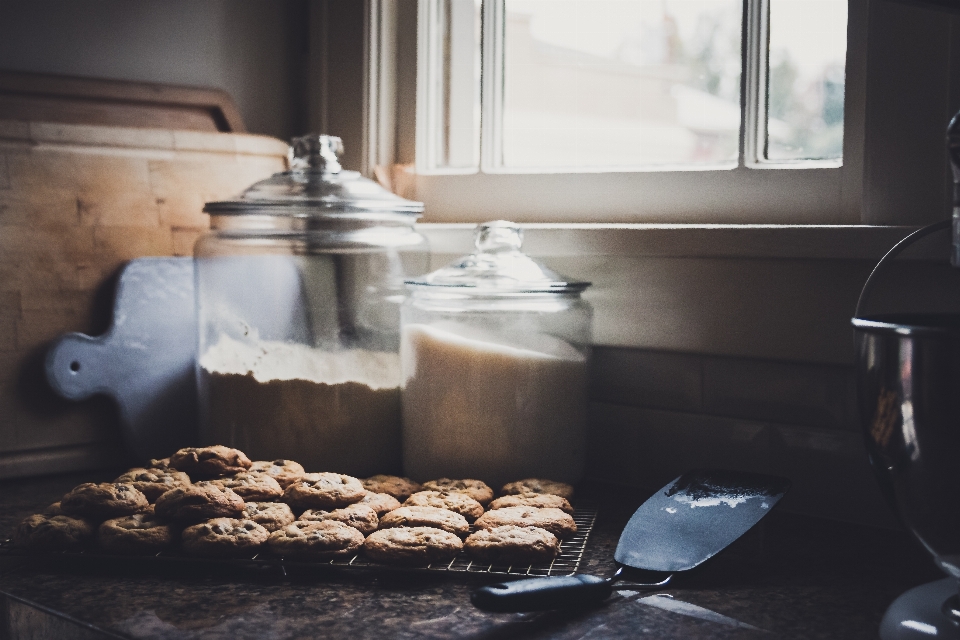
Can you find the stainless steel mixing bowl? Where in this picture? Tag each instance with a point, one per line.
(908, 379)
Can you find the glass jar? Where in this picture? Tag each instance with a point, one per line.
(299, 284)
(495, 359)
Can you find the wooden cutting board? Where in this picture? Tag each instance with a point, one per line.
(77, 202)
(145, 362)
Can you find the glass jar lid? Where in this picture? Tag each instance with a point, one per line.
(316, 184)
(498, 266)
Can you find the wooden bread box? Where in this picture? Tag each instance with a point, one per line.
(76, 203)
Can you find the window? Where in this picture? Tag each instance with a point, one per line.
(804, 80)
(715, 111)
(636, 85)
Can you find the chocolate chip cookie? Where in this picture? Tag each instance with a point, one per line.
(53, 533)
(324, 491)
(380, 502)
(458, 502)
(476, 489)
(138, 533)
(249, 485)
(412, 545)
(224, 537)
(103, 501)
(198, 502)
(426, 517)
(538, 485)
(210, 462)
(315, 540)
(510, 544)
(399, 488)
(153, 483)
(52, 510)
(269, 515)
(162, 463)
(538, 500)
(555, 521)
(359, 516)
(283, 471)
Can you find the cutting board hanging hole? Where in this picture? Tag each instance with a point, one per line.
(75, 367)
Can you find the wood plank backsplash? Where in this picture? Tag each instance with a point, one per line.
(76, 203)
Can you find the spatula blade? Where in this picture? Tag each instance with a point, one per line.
(695, 517)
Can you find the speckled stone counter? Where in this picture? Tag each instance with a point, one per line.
(792, 577)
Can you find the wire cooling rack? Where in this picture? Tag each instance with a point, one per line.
(565, 564)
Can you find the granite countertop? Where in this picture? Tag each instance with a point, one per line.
(791, 577)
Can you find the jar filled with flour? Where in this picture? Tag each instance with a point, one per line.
(299, 284)
(495, 357)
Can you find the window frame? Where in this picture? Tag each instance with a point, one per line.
(902, 87)
(754, 191)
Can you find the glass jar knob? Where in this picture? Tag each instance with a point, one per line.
(499, 236)
(316, 153)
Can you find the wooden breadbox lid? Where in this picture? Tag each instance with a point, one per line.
(49, 98)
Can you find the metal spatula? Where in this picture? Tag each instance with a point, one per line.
(685, 523)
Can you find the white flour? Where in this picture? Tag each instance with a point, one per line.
(330, 411)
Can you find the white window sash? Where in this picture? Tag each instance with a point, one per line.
(754, 191)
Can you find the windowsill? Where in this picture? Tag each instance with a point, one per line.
(772, 292)
(830, 242)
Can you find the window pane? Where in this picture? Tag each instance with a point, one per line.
(453, 84)
(808, 47)
(621, 83)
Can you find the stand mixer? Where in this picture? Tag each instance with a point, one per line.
(908, 383)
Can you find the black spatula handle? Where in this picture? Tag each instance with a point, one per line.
(541, 594)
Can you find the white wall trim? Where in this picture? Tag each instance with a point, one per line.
(833, 242)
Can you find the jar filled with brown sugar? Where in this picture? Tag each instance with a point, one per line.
(299, 284)
(495, 358)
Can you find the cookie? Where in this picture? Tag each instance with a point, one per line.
(538, 500)
(210, 462)
(53, 533)
(510, 544)
(224, 537)
(458, 502)
(412, 545)
(399, 488)
(52, 510)
(162, 463)
(258, 487)
(476, 489)
(138, 533)
(198, 502)
(269, 515)
(426, 517)
(538, 485)
(315, 540)
(359, 516)
(153, 483)
(103, 501)
(555, 521)
(283, 471)
(324, 491)
(380, 502)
